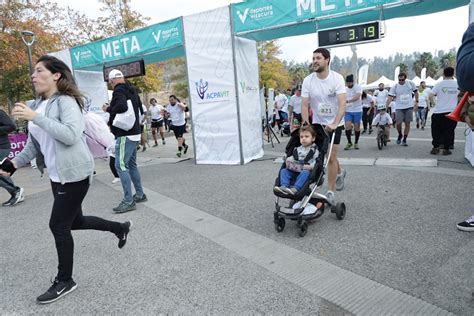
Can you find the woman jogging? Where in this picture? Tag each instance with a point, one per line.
(56, 125)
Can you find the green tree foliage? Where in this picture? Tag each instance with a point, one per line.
(403, 68)
(273, 73)
(425, 60)
(297, 72)
(448, 60)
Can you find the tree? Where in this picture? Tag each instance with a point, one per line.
(15, 84)
(448, 60)
(403, 67)
(297, 72)
(273, 73)
(425, 60)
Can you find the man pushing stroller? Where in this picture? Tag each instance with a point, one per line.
(300, 164)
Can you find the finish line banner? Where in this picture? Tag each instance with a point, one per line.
(255, 15)
(129, 45)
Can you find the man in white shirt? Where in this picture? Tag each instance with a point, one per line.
(178, 122)
(281, 108)
(157, 121)
(423, 105)
(381, 96)
(324, 91)
(403, 91)
(442, 128)
(295, 105)
(353, 113)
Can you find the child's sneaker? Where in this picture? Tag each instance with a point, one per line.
(281, 189)
(467, 225)
(291, 191)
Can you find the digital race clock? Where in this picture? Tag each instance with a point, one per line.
(130, 69)
(347, 35)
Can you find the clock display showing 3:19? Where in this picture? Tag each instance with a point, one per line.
(367, 32)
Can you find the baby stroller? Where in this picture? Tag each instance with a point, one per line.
(285, 129)
(306, 204)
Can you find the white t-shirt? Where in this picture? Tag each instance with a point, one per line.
(446, 93)
(295, 102)
(176, 115)
(322, 94)
(382, 119)
(367, 102)
(46, 142)
(424, 97)
(281, 102)
(355, 106)
(380, 96)
(404, 94)
(155, 111)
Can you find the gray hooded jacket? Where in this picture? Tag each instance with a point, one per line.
(64, 122)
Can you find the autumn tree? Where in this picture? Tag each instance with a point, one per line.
(273, 73)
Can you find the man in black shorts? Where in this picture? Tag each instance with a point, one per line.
(178, 123)
(325, 91)
(157, 121)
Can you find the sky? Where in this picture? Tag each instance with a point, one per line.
(426, 33)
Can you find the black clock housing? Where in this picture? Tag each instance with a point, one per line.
(130, 69)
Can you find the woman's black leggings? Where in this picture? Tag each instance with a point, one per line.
(66, 216)
(112, 166)
(367, 118)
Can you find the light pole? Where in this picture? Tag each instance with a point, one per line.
(31, 35)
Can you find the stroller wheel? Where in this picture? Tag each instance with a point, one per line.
(303, 229)
(340, 210)
(280, 225)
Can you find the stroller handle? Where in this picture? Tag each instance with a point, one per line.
(330, 144)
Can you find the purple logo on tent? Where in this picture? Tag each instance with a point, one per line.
(201, 88)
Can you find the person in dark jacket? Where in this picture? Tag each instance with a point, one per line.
(465, 76)
(6, 127)
(126, 141)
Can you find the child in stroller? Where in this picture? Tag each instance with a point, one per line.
(300, 176)
(299, 164)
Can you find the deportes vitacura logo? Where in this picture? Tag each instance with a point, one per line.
(201, 88)
(256, 13)
(243, 16)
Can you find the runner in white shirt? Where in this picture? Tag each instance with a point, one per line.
(367, 111)
(404, 91)
(281, 108)
(178, 122)
(157, 121)
(353, 113)
(295, 105)
(325, 93)
(423, 105)
(381, 96)
(442, 128)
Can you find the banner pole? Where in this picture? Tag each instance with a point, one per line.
(236, 87)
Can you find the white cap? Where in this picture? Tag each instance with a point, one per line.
(115, 74)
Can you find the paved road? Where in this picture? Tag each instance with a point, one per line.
(205, 242)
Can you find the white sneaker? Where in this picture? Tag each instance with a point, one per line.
(340, 180)
(115, 180)
(331, 198)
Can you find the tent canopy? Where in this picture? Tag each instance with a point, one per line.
(373, 85)
(266, 20)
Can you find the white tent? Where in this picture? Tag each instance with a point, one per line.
(373, 85)
(431, 82)
(416, 80)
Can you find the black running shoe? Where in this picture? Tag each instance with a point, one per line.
(56, 291)
(185, 149)
(122, 236)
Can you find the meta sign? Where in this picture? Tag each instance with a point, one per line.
(129, 45)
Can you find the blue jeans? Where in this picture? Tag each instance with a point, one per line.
(7, 182)
(288, 176)
(420, 115)
(126, 165)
